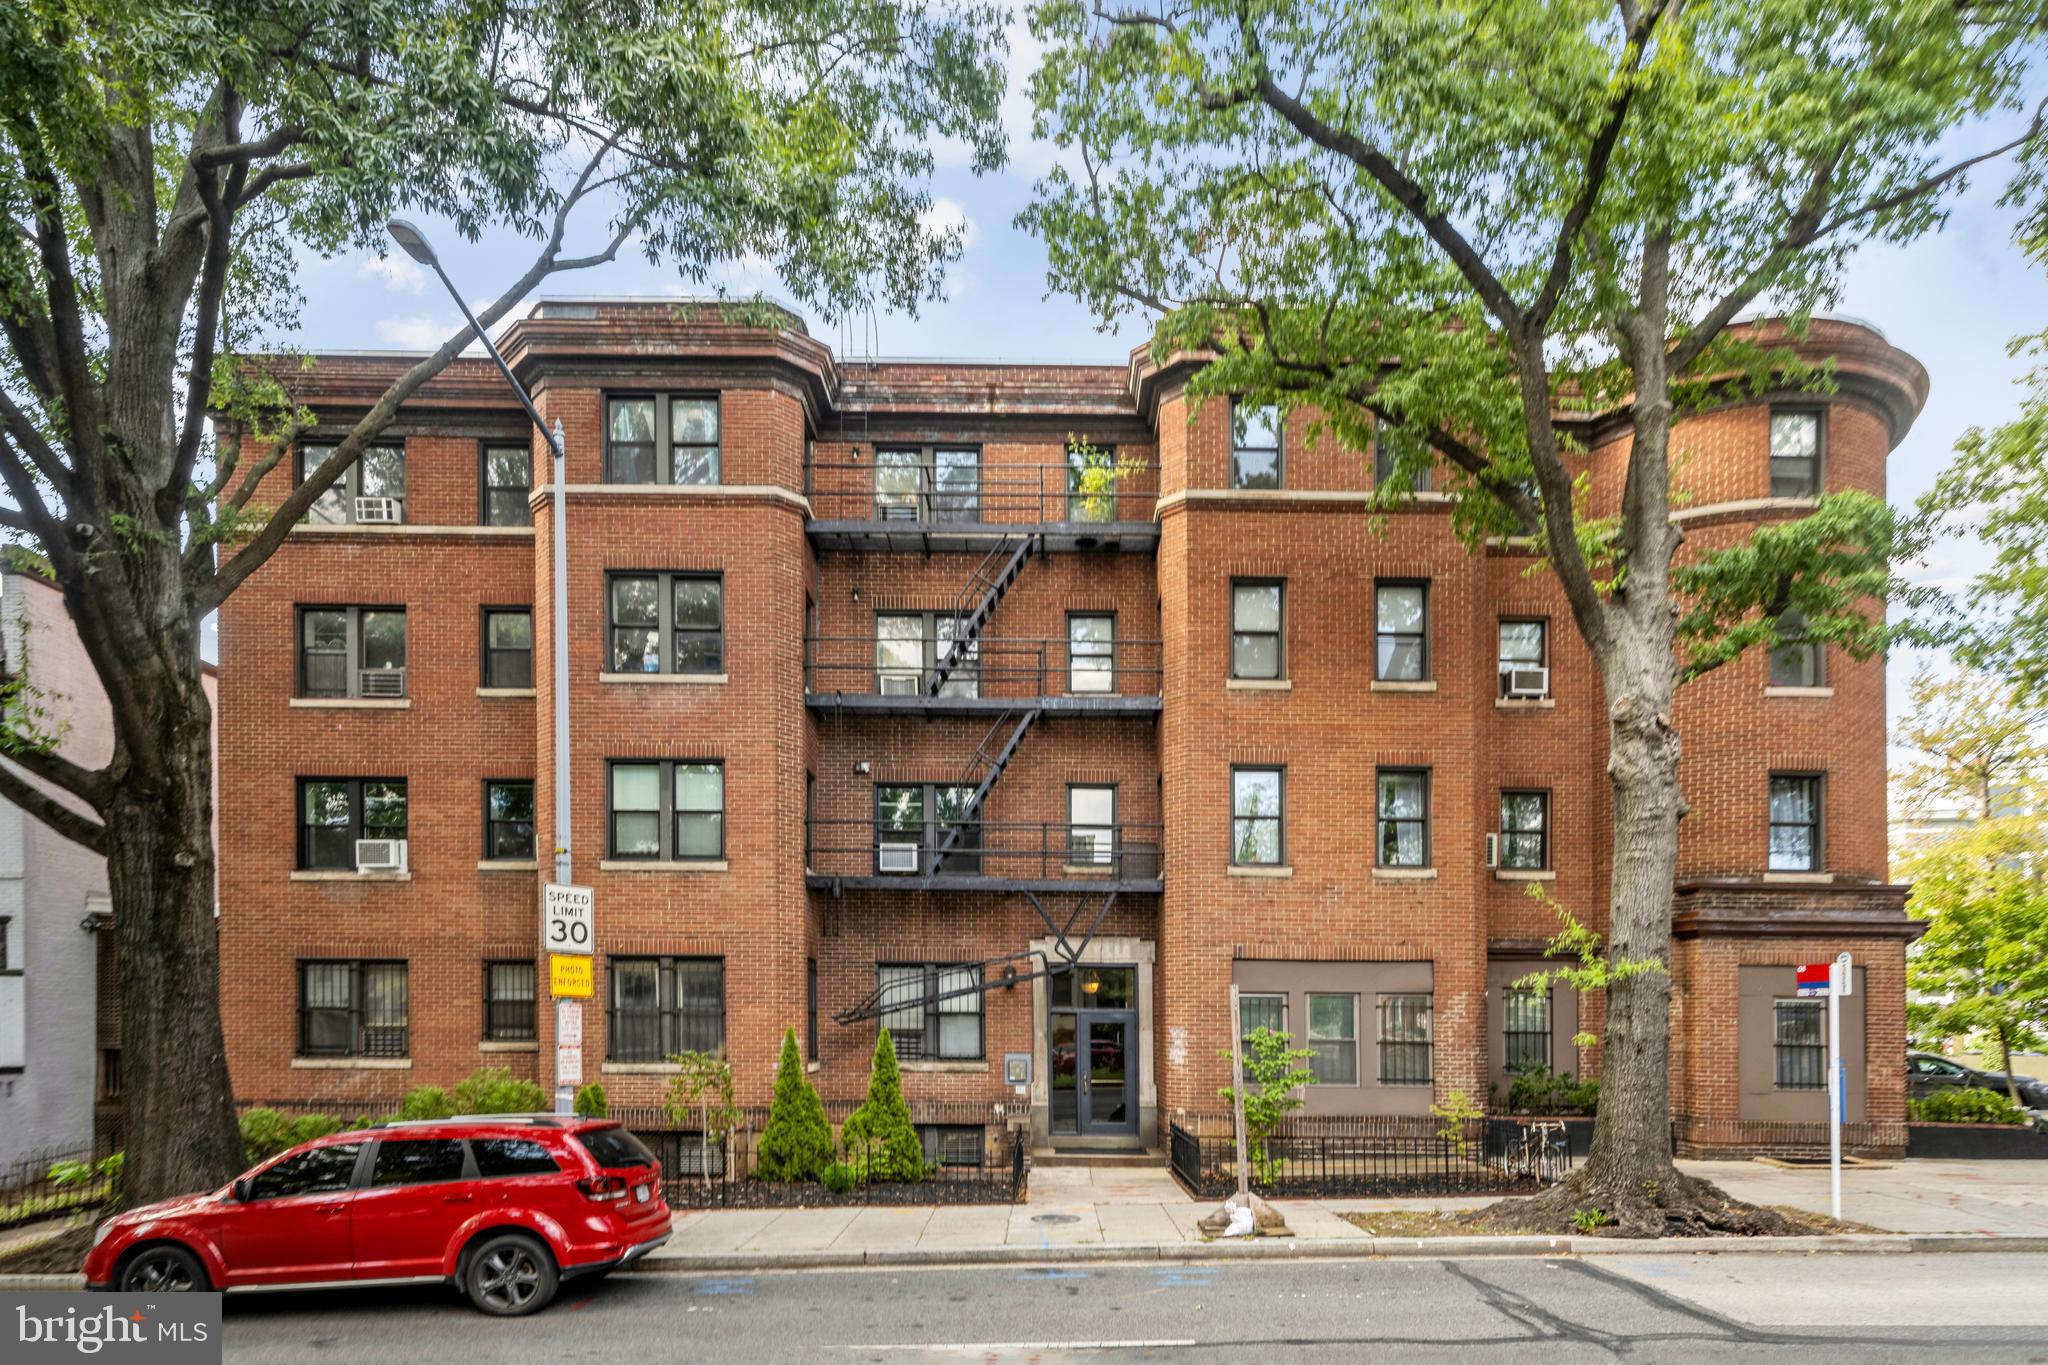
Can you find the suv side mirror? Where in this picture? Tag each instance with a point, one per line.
(242, 1188)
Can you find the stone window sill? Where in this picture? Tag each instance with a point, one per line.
(1428, 685)
(506, 692)
(507, 865)
(335, 875)
(351, 1063)
(508, 1047)
(638, 1069)
(1798, 878)
(1259, 684)
(1524, 874)
(945, 1066)
(1821, 692)
(1239, 870)
(636, 865)
(1525, 703)
(683, 679)
(352, 703)
(1404, 874)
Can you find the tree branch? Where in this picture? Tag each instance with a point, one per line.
(81, 829)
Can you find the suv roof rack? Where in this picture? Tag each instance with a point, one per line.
(537, 1120)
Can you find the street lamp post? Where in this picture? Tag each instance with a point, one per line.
(415, 244)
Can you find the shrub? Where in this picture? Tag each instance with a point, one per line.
(590, 1101)
(1966, 1104)
(1457, 1112)
(879, 1136)
(1274, 1075)
(839, 1177)
(425, 1102)
(491, 1090)
(1539, 1090)
(701, 1092)
(797, 1143)
(265, 1132)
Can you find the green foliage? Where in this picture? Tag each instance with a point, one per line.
(590, 1101)
(699, 1098)
(879, 1138)
(1589, 1221)
(265, 1132)
(1093, 475)
(839, 1177)
(426, 1102)
(1456, 1113)
(797, 1143)
(76, 1174)
(1274, 1076)
(1966, 1104)
(1592, 970)
(1541, 1091)
(493, 1090)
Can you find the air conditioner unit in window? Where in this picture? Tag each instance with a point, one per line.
(379, 511)
(381, 682)
(1528, 682)
(897, 858)
(899, 684)
(380, 855)
(1492, 854)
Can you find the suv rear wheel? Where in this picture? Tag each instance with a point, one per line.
(510, 1275)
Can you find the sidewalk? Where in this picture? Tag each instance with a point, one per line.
(1143, 1211)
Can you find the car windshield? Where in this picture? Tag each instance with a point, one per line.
(615, 1147)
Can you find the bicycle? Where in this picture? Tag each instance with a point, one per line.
(1539, 1152)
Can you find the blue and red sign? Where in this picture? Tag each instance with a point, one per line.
(1813, 978)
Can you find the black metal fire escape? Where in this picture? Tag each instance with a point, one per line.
(984, 590)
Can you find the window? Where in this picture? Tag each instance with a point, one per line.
(1404, 1040)
(658, 1006)
(811, 1010)
(1795, 453)
(334, 812)
(615, 1147)
(653, 440)
(1525, 831)
(416, 1161)
(1255, 618)
(668, 811)
(352, 651)
(508, 647)
(320, 1171)
(509, 994)
(1403, 817)
(1389, 444)
(506, 481)
(1799, 1044)
(1255, 1012)
(921, 814)
(1523, 645)
(928, 483)
(1091, 483)
(499, 1158)
(667, 623)
(1091, 825)
(910, 646)
(1401, 623)
(1257, 829)
(1091, 653)
(956, 1145)
(372, 490)
(508, 820)
(352, 1009)
(1525, 1018)
(1796, 662)
(1795, 822)
(924, 1026)
(110, 1073)
(1256, 456)
(1333, 1036)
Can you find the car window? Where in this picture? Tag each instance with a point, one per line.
(511, 1156)
(315, 1172)
(615, 1147)
(416, 1161)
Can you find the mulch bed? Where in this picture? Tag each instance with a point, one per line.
(62, 1254)
(1499, 1220)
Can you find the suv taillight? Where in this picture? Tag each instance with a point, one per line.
(603, 1188)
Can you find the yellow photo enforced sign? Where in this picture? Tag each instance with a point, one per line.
(569, 976)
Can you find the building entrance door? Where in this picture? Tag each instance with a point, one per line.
(1093, 1054)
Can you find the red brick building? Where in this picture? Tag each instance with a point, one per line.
(882, 711)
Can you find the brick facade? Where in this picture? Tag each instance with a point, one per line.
(807, 562)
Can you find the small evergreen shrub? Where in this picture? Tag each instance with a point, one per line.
(491, 1090)
(797, 1143)
(839, 1177)
(1537, 1089)
(1966, 1104)
(265, 1132)
(879, 1137)
(590, 1102)
(425, 1102)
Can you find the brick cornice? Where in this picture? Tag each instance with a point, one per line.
(1727, 908)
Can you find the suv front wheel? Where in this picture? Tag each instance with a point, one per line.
(510, 1275)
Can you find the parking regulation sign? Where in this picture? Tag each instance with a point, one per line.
(1813, 978)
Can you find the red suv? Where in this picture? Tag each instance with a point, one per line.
(505, 1207)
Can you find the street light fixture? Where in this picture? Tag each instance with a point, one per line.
(415, 244)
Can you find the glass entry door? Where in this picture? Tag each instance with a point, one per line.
(1092, 1048)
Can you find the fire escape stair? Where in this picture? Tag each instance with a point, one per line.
(986, 587)
(990, 758)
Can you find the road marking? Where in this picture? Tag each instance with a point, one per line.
(979, 1347)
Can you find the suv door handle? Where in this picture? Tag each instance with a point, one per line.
(335, 1207)
(457, 1198)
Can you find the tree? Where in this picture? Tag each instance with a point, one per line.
(165, 164)
(700, 1095)
(797, 1143)
(879, 1137)
(1979, 743)
(1446, 222)
(1275, 1077)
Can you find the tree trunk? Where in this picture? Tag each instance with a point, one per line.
(2012, 1087)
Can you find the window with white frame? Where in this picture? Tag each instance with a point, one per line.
(932, 1010)
(1333, 1037)
(371, 491)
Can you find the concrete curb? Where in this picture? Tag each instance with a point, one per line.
(30, 1283)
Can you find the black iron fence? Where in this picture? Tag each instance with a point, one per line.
(723, 1175)
(28, 1191)
(1102, 670)
(916, 492)
(1042, 851)
(1367, 1156)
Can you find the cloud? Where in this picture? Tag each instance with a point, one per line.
(418, 333)
(399, 273)
(950, 215)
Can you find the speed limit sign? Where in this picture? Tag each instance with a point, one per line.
(566, 915)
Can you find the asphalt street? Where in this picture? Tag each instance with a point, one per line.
(1728, 1307)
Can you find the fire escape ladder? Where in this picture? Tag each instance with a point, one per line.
(987, 764)
(985, 588)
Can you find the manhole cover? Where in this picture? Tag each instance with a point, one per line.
(1056, 1218)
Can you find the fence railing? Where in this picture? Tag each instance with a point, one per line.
(1368, 1156)
(854, 665)
(27, 1191)
(1009, 849)
(700, 1174)
(915, 494)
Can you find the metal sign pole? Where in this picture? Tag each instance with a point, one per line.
(1838, 1098)
(568, 1012)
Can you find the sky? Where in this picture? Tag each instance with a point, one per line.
(1954, 300)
